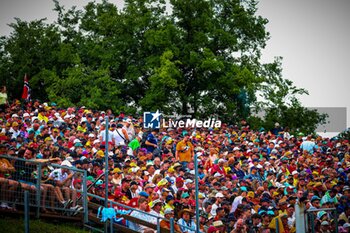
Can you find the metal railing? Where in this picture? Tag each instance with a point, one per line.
(111, 203)
(31, 176)
(313, 222)
(41, 182)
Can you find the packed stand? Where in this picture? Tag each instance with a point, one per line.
(249, 181)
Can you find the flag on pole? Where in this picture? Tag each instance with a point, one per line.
(26, 89)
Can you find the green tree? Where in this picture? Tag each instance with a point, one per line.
(29, 49)
(279, 103)
(200, 57)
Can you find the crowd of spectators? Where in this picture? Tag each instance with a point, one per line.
(249, 180)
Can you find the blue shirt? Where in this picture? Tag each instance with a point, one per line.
(152, 139)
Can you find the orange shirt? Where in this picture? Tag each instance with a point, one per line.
(185, 151)
(166, 225)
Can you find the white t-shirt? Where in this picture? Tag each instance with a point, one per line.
(58, 175)
(118, 137)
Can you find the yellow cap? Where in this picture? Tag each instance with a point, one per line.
(116, 170)
(48, 139)
(100, 153)
(162, 182)
(171, 170)
(250, 194)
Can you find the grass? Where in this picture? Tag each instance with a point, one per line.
(15, 225)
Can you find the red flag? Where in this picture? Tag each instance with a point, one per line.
(26, 89)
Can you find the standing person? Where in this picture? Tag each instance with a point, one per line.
(308, 145)
(102, 134)
(129, 128)
(184, 150)
(120, 136)
(134, 145)
(152, 141)
(3, 99)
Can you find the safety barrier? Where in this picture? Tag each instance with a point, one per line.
(46, 193)
(314, 219)
(118, 226)
(52, 188)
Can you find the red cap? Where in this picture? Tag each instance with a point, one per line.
(179, 179)
(76, 181)
(118, 194)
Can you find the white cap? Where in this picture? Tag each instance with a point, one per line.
(14, 115)
(76, 140)
(57, 114)
(91, 135)
(66, 163)
(96, 141)
(221, 161)
(236, 148)
(294, 173)
(135, 169)
(128, 120)
(219, 195)
(188, 181)
(26, 114)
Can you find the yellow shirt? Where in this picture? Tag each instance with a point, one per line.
(185, 150)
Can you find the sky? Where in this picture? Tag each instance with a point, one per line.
(312, 36)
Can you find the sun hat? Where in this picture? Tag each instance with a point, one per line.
(185, 211)
(155, 202)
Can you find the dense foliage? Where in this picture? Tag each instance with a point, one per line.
(200, 57)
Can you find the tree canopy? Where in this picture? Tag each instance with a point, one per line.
(196, 57)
